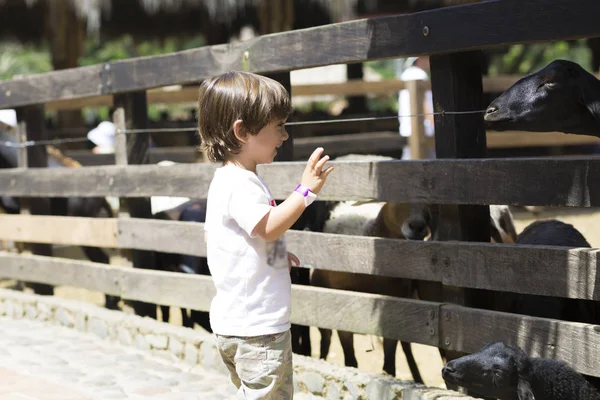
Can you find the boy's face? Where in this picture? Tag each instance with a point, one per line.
(262, 147)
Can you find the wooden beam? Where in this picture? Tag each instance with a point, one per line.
(189, 94)
(336, 145)
(402, 319)
(425, 32)
(563, 181)
(456, 85)
(539, 270)
(32, 128)
(389, 316)
(98, 232)
(132, 149)
(533, 139)
(359, 143)
(286, 151)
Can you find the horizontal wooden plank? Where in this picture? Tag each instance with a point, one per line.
(170, 237)
(101, 232)
(178, 154)
(520, 181)
(359, 143)
(508, 139)
(533, 139)
(189, 94)
(392, 317)
(352, 143)
(467, 329)
(427, 32)
(453, 327)
(406, 319)
(542, 270)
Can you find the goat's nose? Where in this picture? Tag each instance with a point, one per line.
(417, 225)
(448, 368)
(491, 109)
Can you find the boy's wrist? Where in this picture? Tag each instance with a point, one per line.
(305, 192)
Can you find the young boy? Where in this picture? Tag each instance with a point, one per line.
(241, 118)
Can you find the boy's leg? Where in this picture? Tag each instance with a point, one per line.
(264, 367)
(227, 348)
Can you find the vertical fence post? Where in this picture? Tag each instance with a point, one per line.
(416, 139)
(31, 127)
(132, 148)
(456, 81)
(300, 275)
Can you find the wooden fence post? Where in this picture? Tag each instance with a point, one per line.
(31, 127)
(457, 86)
(300, 333)
(416, 140)
(132, 148)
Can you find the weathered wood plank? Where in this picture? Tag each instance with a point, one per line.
(189, 94)
(165, 236)
(32, 118)
(392, 317)
(576, 344)
(360, 143)
(541, 270)
(467, 329)
(353, 41)
(570, 182)
(411, 320)
(100, 232)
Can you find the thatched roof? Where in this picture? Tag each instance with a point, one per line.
(25, 19)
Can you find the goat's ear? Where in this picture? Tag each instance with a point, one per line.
(589, 96)
(524, 390)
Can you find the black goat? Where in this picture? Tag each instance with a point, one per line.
(507, 373)
(551, 233)
(560, 97)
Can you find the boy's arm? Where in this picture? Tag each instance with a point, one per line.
(280, 218)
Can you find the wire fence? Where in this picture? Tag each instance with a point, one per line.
(31, 143)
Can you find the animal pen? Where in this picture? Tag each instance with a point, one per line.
(461, 182)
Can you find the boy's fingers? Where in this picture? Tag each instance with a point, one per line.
(315, 156)
(294, 259)
(326, 173)
(321, 162)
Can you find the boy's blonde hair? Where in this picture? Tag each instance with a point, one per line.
(254, 99)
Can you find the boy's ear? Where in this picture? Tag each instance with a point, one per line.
(239, 131)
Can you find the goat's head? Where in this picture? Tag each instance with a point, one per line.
(418, 223)
(408, 221)
(496, 370)
(560, 97)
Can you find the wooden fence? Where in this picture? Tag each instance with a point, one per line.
(461, 181)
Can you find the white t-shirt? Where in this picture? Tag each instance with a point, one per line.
(251, 276)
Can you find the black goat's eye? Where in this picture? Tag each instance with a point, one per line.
(547, 84)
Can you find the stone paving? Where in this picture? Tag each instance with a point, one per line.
(53, 348)
(42, 361)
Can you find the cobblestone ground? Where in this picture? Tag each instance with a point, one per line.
(47, 362)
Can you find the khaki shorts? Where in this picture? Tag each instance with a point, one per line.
(259, 366)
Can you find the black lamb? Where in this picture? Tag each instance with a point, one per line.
(507, 373)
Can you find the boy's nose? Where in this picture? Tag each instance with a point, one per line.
(286, 136)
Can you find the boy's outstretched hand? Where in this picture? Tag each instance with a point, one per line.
(313, 176)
